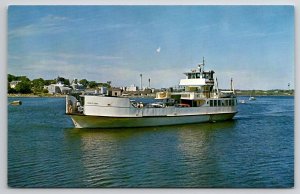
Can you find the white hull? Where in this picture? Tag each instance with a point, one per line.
(198, 103)
(85, 121)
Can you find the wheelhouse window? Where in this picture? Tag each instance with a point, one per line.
(226, 102)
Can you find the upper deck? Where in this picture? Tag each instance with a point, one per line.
(195, 78)
(198, 77)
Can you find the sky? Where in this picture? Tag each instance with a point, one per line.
(254, 45)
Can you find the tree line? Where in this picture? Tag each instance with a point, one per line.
(36, 86)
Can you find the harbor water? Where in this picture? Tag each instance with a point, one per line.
(254, 150)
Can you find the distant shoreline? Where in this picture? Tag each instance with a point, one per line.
(35, 96)
(63, 96)
(280, 95)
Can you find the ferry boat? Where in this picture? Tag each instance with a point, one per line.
(200, 101)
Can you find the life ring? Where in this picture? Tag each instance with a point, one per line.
(163, 94)
(70, 109)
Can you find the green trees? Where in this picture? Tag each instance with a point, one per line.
(92, 84)
(11, 77)
(38, 85)
(67, 82)
(24, 87)
(84, 82)
(10, 90)
(63, 80)
(48, 82)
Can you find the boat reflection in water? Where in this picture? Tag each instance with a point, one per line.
(169, 156)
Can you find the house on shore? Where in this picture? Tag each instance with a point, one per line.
(114, 92)
(13, 84)
(58, 88)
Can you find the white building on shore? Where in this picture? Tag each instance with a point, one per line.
(76, 86)
(13, 84)
(58, 88)
(132, 88)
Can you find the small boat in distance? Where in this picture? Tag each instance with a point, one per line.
(200, 102)
(252, 98)
(16, 103)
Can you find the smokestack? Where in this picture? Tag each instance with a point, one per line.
(149, 82)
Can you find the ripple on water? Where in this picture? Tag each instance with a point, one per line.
(256, 149)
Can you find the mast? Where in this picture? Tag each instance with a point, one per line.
(231, 85)
(217, 85)
(141, 75)
(199, 66)
(203, 63)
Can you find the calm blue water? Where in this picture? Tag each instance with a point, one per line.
(256, 149)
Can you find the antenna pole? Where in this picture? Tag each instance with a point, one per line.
(231, 85)
(217, 85)
(203, 63)
(141, 75)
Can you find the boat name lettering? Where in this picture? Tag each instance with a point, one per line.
(92, 103)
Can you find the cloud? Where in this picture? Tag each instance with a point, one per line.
(111, 68)
(125, 76)
(53, 19)
(92, 67)
(52, 64)
(49, 24)
(250, 34)
(75, 56)
(248, 80)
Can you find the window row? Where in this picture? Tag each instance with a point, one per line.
(231, 102)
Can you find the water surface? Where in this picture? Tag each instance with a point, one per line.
(255, 149)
